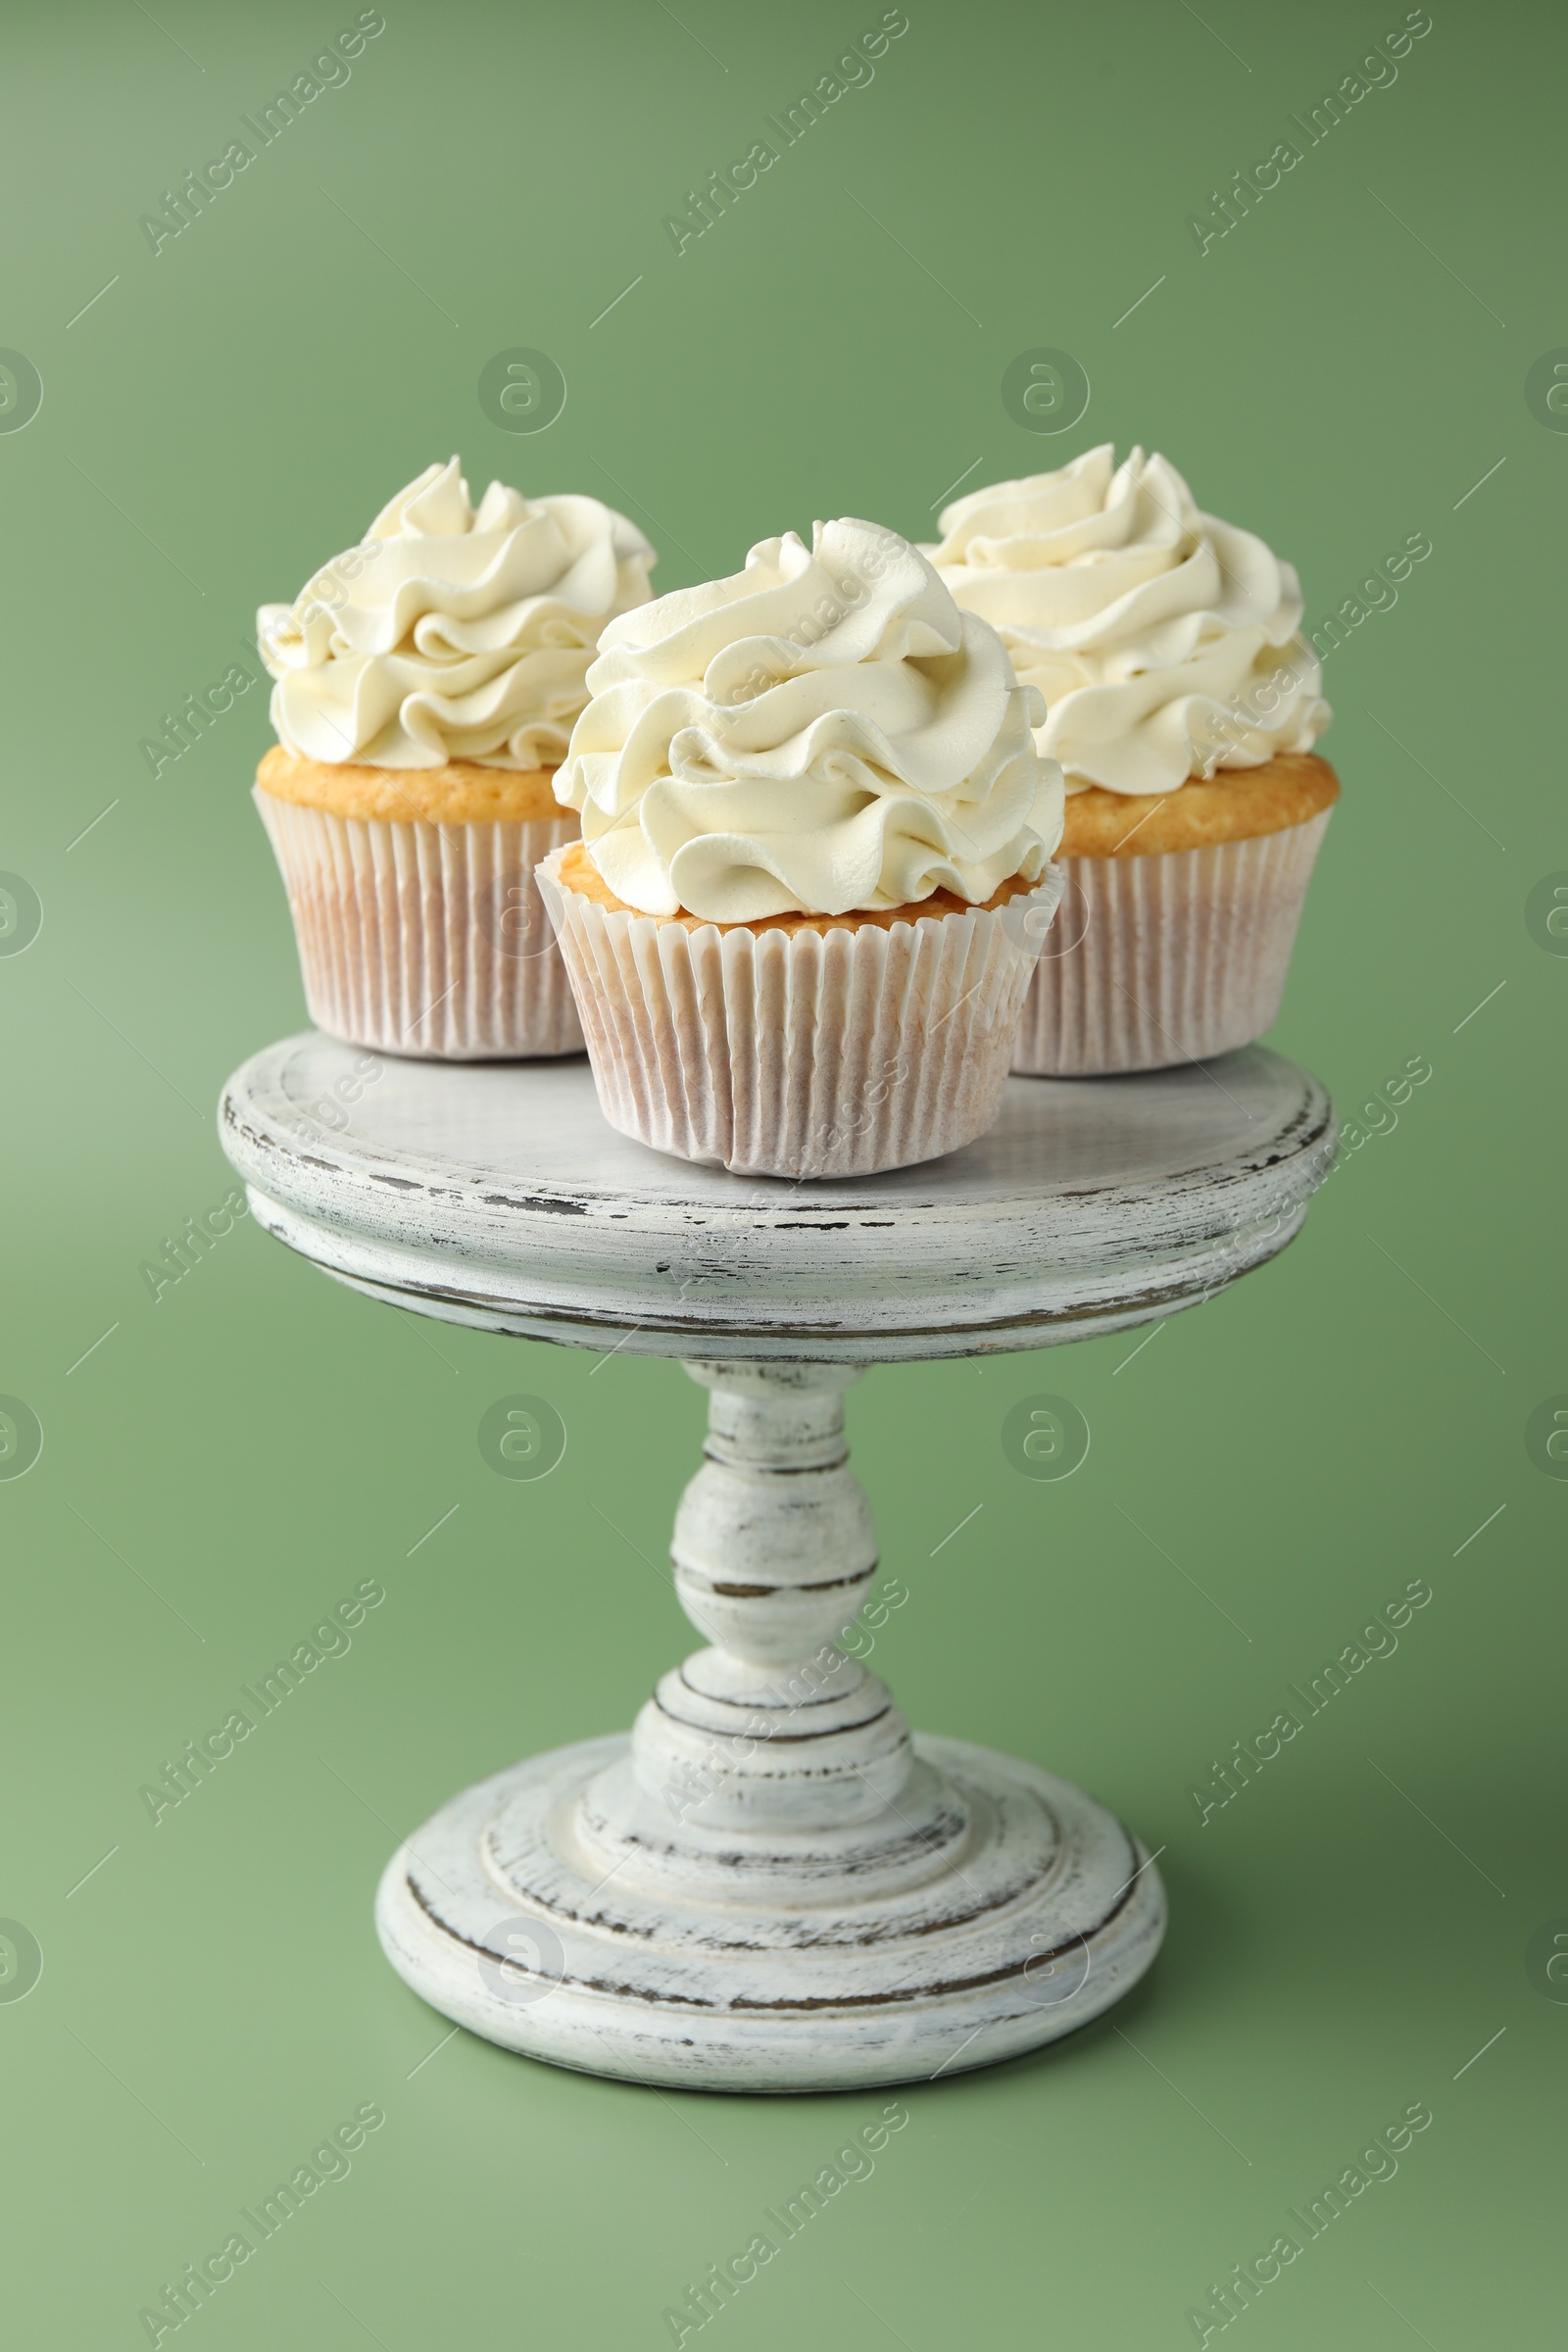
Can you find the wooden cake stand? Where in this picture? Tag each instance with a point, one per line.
(769, 1884)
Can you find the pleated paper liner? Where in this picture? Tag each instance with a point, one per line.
(426, 939)
(800, 1053)
(1169, 959)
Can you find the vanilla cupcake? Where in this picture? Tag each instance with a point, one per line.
(427, 683)
(813, 877)
(1182, 703)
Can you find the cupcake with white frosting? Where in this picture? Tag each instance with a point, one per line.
(1182, 703)
(427, 683)
(814, 868)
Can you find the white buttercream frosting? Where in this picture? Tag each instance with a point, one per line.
(821, 732)
(452, 632)
(1164, 641)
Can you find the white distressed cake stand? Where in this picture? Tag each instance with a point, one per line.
(769, 1884)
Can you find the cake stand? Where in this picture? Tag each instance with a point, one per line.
(771, 1884)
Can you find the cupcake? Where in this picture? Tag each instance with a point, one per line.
(427, 683)
(814, 875)
(1182, 704)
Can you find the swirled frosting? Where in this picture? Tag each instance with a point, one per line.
(452, 632)
(1164, 642)
(821, 732)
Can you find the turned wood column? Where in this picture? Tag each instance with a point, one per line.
(772, 1727)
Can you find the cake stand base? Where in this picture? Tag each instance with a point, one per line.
(1011, 1910)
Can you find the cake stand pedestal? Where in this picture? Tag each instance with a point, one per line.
(771, 1884)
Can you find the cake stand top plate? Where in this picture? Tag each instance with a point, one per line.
(496, 1195)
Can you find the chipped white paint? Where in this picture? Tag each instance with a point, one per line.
(771, 1886)
(496, 1195)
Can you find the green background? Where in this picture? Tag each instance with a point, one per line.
(1337, 374)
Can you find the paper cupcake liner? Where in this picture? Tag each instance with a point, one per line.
(799, 1054)
(426, 939)
(1167, 959)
